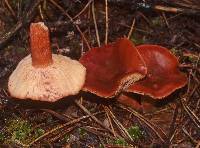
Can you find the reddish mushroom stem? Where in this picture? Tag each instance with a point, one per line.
(40, 45)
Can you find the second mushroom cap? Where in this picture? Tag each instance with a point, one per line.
(112, 68)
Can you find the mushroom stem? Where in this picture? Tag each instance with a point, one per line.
(40, 45)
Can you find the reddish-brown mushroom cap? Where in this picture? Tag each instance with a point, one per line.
(112, 67)
(130, 102)
(163, 76)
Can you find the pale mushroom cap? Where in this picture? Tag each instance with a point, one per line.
(62, 78)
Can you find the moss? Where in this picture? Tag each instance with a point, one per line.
(39, 132)
(21, 50)
(120, 142)
(82, 132)
(136, 40)
(18, 130)
(157, 22)
(2, 137)
(175, 51)
(66, 138)
(135, 132)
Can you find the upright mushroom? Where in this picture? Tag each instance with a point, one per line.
(163, 76)
(45, 76)
(112, 68)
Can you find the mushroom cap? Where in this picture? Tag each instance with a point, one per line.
(62, 78)
(112, 68)
(130, 101)
(163, 76)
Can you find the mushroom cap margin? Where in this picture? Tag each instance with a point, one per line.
(62, 78)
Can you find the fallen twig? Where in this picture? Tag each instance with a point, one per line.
(151, 125)
(191, 114)
(177, 10)
(110, 122)
(10, 8)
(188, 135)
(93, 117)
(14, 30)
(131, 30)
(119, 125)
(106, 10)
(95, 25)
(59, 116)
(89, 2)
(60, 127)
(71, 19)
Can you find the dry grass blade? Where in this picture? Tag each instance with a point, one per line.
(189, 4)
(119, 125)
(131, 30)
(95, 25)
(40, 12)
(191, 114)
(165, 19)
(60, 127)
(71, 19)
(86, 6)
(150, 125)
(168, 9)
(92, 116)
(110, 122)
(62, 133)
(190, 137)
(59, 116)
(172, 128)
(97, 132)
(106, 10)
(15, 29)
(10, 8)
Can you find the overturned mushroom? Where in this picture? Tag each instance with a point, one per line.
(112, 68)
(163, 76)
(45, 76)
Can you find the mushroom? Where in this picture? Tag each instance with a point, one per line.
(45, 76)
(130, 101)
(112, 68)
(163, 76)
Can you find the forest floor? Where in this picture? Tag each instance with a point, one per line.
(87, 120)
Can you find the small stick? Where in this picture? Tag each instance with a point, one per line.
(172, 127)
(93, 117)
(106, 10)
(60, 127)
(186, 133)
(110, 122)
(165, 19)
(119, 125)
(40, 11)
(149, 124)
(59, 116)
(10, 8)
(21, 23)
(131, 30)
(95, 25)
(89, 2)
(71, 19)
(167, 9)
(97, 132)
(62, 133)
(191, 114)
